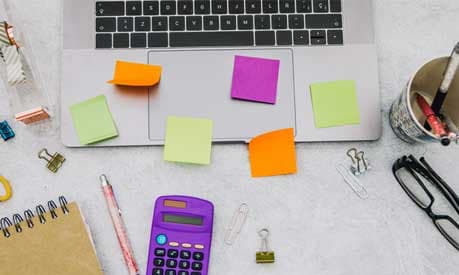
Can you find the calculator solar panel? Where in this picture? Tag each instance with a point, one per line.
(218, 23)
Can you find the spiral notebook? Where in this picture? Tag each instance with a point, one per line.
(53, 242)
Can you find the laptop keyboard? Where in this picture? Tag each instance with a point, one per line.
(218, 23)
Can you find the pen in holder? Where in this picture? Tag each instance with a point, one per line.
(28, 99)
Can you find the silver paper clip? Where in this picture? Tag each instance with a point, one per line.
(237, 223)
(352, 181)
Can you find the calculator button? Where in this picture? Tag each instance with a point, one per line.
(184, 265)
(161, 239)
(195, 273)
(171, 263)
(199, 246)
(170, 272)
(185, 254)
(186, 245)
(158, 262)
(160, 252)
(174, 244)
(157, 271)
(198, 256)
(172, 253)
(196, 266)
(183, 272)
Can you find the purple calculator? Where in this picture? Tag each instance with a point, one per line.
(181, 235)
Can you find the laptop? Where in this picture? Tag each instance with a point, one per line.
(196, 42)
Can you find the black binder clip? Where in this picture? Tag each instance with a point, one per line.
(54, 161)
(5, 131)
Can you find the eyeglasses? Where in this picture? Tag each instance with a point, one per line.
(421, 182)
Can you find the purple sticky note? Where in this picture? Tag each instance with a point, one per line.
(255, 79)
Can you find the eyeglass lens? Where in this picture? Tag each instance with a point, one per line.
(413, 188)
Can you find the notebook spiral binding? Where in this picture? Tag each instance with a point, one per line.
(5, 223)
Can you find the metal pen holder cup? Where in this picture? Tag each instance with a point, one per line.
(407, 119)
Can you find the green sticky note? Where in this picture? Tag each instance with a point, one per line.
(93, 121)
(335, 103)
(188, 140)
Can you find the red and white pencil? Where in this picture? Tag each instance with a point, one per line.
(118, 223)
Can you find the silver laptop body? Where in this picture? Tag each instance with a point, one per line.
(198, 65)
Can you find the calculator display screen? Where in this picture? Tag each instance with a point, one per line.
(182, 219)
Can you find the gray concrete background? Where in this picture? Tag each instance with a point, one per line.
(318, 225)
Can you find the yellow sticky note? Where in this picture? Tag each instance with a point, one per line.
(188, 140)
(273, 154)
(335, 103)
(135, 74)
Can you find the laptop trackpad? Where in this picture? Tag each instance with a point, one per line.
(197, 83)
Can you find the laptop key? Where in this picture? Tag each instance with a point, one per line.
(157, 39)
(159, 23)
(270, 6)
(228, 22)
(121, 40)
(253, 6)
(236, 6)
(210, 39)
(335, 6)
(168, 7)
(219, 6)
(185, 7)
(103, 41)
(335, 37)
(202, 7)
(301, 37)
(194, 23)
(265, 38)
(112, 8)
(287, 6)
(320, 5)
(142, 24)
(296, 21)
(284, 38)
(324, 21)
(125, 24)
(245, 22)
(150, 7)
(211, 23)
(177, 23)
(279, 21)
(138, 40)
(262, 22)
(105, 24)
(133, 8)
(318, 37)
(304, 6)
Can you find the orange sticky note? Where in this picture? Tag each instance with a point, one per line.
(273, 154)
(136, 74)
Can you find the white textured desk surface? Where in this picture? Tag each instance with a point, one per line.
(318, 225)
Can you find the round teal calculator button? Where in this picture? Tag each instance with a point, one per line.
(161, 239)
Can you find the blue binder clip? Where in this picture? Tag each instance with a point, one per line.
(5, 131)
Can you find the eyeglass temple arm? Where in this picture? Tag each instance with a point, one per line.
(442, 183)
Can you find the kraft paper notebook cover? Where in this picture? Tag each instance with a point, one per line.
(54, 246)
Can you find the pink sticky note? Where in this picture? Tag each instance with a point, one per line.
(255, 79)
